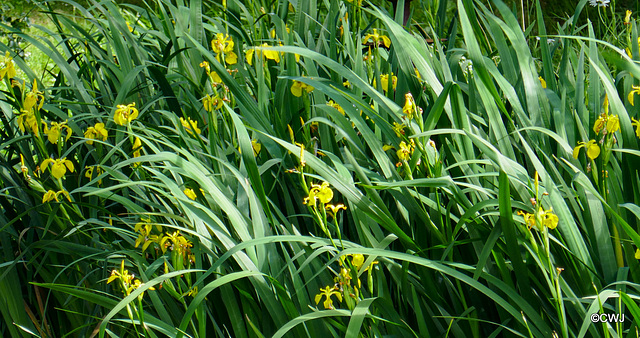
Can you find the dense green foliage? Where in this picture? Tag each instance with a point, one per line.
(315, 168)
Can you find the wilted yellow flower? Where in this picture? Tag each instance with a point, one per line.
(98, 131)
(52, 195)
(9, 69)
(58, 167)
(190, 125)
(125, 114)
(593, 150)
(375, 37)
(634, 90)
(627, 17)
(54, 133)
(328, 292)
(600, 123)
(297, 87)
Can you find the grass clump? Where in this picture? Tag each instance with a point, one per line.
(315, 168)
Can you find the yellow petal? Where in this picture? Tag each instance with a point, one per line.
(593, 150)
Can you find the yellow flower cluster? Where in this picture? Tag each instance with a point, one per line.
(343, 282)
(128, 282)
(32, 101)
(543, 218)
(611, 123)
(175, 242)
(607, 124)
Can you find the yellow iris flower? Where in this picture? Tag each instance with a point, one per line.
(52, 195)
(405, 151)
(32, 98)
(328, 292)
(58, 167)
(212, 103)
(190, 125)
(319, 192)
(127, 281)
(634, 90)
(28, 120)
(98, 131)
(190, 193)
(125, 114)
(543, 83)
(409, 108)
(89, 172)
(549, 219)
(297, 87)
(9, 70)
(223, 44)
(336, 106)
(268, 54)
(636, 124)
(375, 37)
(593, 150)
(137, 147)
(54, 133)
